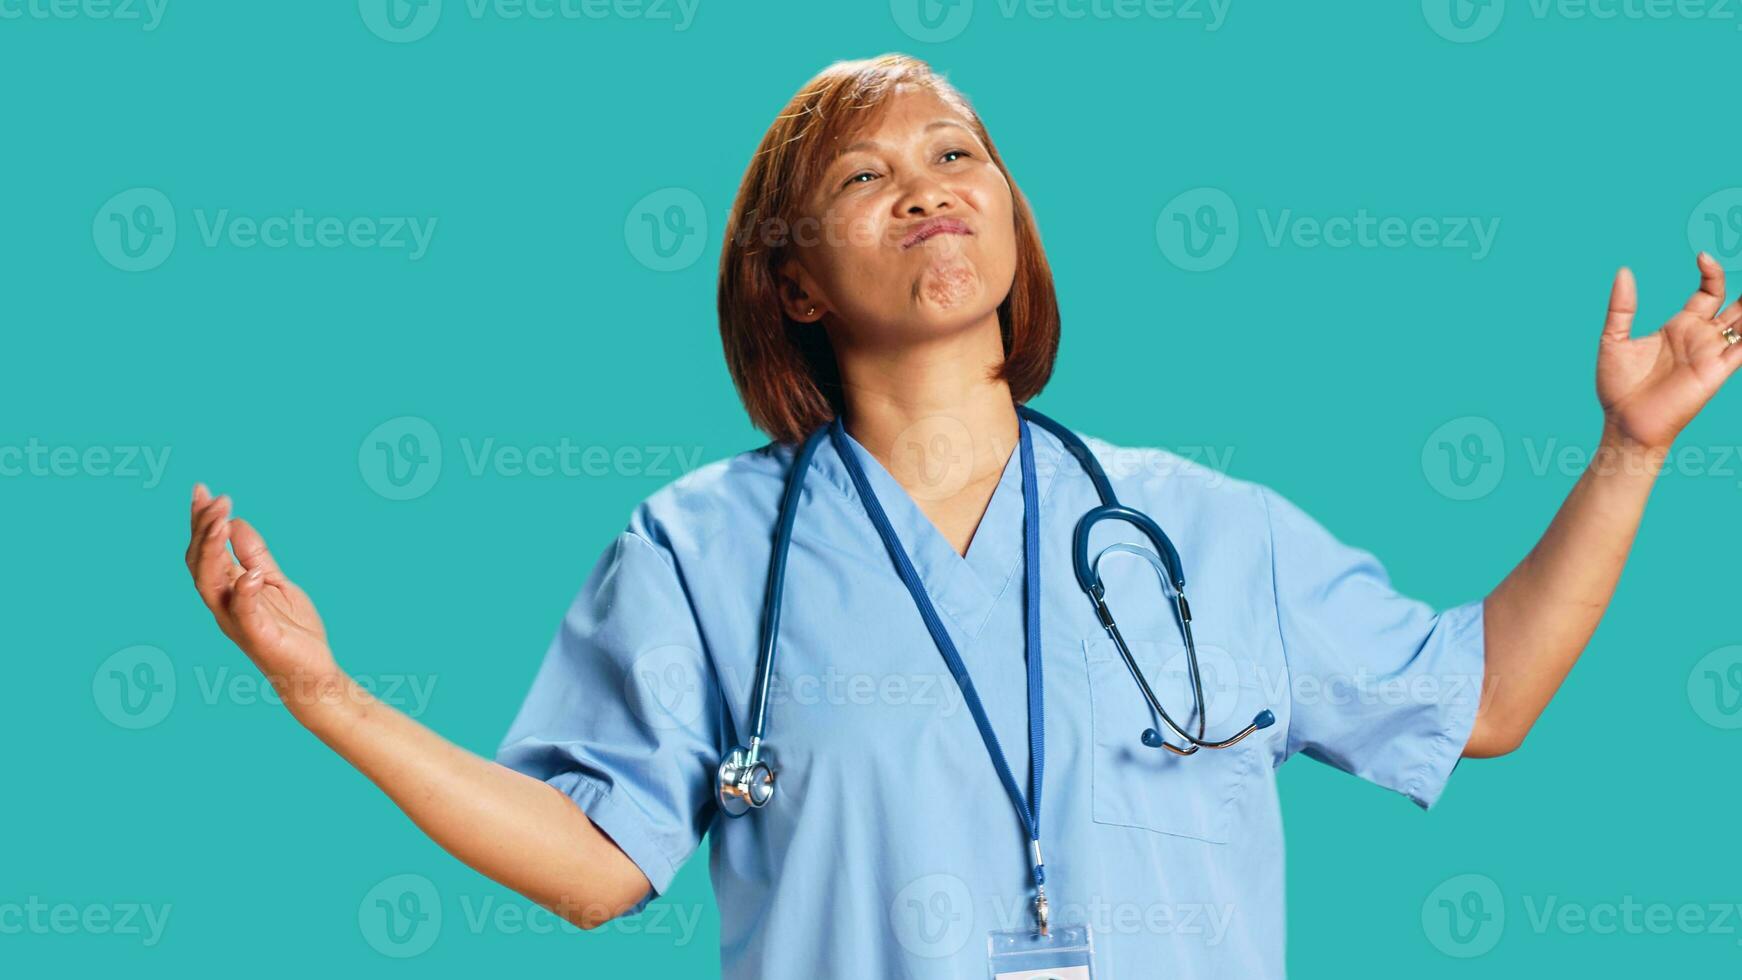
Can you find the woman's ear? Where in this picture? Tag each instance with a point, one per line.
(800, 297)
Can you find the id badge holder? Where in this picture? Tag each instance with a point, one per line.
(1066, 953)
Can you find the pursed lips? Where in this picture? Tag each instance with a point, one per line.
(933, 227)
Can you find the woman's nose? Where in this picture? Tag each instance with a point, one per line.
(924, 196)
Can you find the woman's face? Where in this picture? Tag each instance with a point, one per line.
(910, 231)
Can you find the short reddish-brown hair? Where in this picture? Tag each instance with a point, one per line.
(785, 371)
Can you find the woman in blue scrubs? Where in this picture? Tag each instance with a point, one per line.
(881, 266)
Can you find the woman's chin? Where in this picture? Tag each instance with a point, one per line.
(949, 284)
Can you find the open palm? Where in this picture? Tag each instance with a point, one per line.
(256, 606)
(1650, 387)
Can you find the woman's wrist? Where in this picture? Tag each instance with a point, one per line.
(323, 702)
(1619, 456)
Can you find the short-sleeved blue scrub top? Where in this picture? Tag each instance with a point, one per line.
(891, 848)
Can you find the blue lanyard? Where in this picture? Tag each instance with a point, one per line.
(1028, 813)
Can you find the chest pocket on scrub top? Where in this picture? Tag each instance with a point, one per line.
(1134, 785)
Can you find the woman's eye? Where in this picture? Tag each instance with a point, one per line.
(871, 175)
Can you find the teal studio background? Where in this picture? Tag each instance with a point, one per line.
(1426, 394)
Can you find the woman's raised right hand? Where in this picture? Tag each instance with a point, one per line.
(520, 831)
(256, 606)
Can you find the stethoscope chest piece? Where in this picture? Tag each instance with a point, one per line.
(744, 785)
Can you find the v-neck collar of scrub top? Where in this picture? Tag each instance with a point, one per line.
(965, 588)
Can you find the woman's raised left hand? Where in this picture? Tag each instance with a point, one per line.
(1650, 387)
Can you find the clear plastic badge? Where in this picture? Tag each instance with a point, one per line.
(1066, 953)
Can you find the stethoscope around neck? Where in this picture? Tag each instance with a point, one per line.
(746, 780)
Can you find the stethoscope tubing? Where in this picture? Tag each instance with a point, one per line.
(776, 583)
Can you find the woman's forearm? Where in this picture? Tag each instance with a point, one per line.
(510, 827)
(1538, 620)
